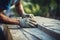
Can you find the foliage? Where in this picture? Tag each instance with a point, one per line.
(31, 8)
(41, 7)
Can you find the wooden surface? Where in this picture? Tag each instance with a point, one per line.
(39, 33)
(49, 26)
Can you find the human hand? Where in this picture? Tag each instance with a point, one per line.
(27, 22)
(28, 16)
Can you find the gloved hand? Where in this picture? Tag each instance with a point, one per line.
(27, 22)
(28, 16)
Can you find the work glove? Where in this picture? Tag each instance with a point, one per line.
(28, 16)
(27, 22)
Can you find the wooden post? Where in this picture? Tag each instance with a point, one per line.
(7, 33)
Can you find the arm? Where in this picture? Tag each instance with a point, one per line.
(19, 8)
(8, 20)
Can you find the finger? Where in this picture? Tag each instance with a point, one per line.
(32, 20)
(31, 25)
(31, 15)
(34, 23)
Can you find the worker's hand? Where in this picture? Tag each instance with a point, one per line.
(27, 22)
(28, 16)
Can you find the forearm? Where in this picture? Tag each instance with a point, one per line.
(19, 8)
(8, 20)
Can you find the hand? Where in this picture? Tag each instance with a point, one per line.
(28, 16)
(27, 22)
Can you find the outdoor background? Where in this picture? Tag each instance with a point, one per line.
(44, 8)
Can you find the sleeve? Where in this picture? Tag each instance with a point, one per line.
(5, 4)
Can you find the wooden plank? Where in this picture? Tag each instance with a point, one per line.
(45, 24)
(49, 26)
(37, 33)
(28, 33)
(7, 33)
(13, 33)
(17, 35)
(52, 24)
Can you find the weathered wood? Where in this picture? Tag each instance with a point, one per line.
(28, 33)
(49, 26)
(7, 33)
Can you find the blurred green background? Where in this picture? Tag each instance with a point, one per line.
(45, 8)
